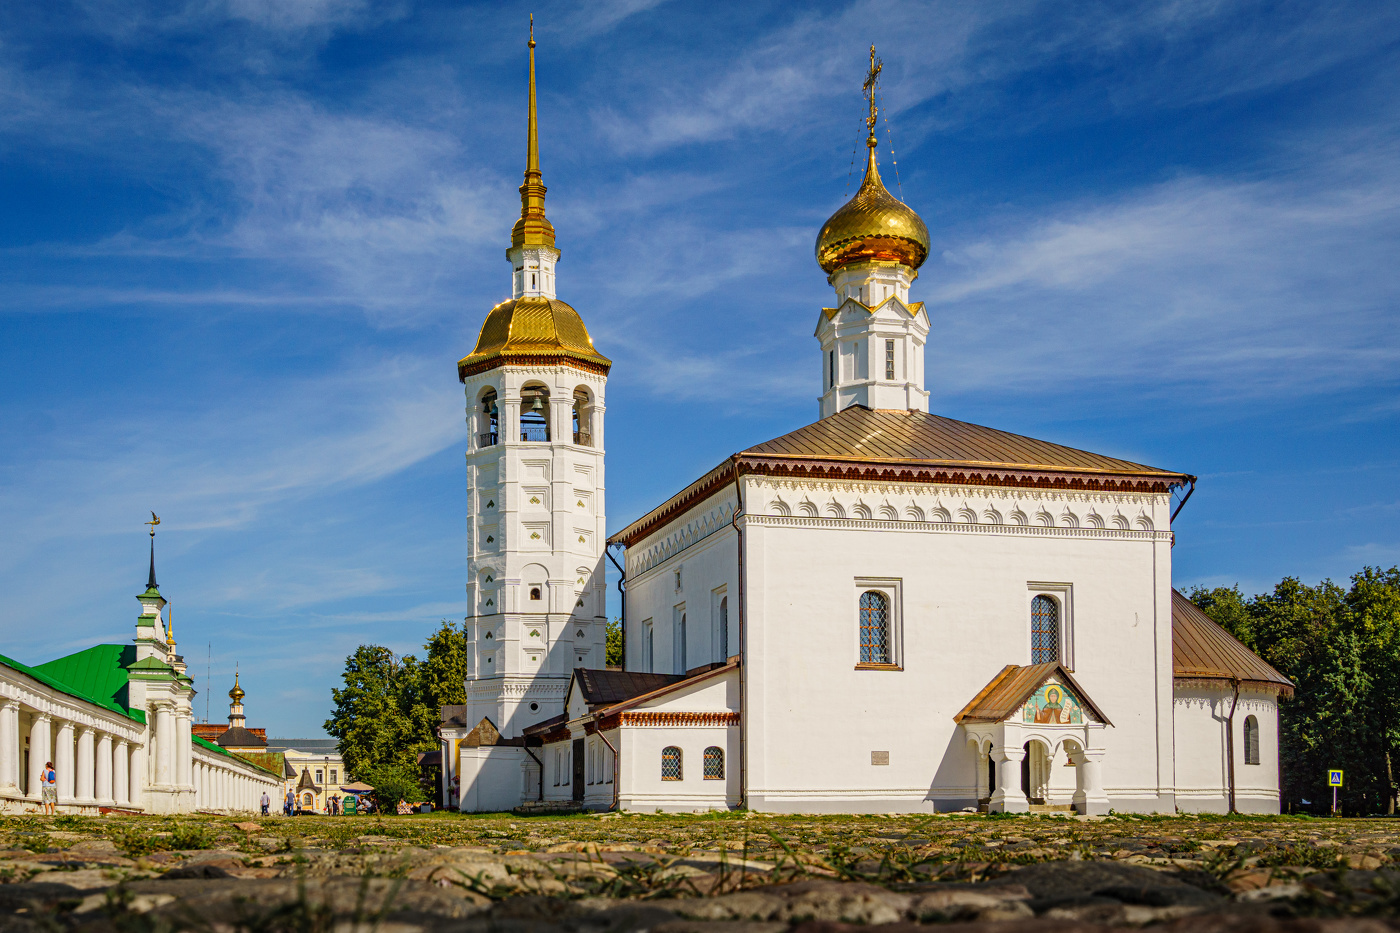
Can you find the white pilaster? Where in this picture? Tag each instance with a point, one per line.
(165, 744)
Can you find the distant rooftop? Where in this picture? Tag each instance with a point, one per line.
(317, 746)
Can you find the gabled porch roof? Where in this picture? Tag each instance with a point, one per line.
(1006, 695)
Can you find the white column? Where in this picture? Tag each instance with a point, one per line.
(85, 769)
(104, 770)
(184, 749)
(136, 773)
(40, 750)
(63, 759)
(9, 743)
(1090, 798)
(1007, 798)
(121, 773)
(165, 745)
(198, 777)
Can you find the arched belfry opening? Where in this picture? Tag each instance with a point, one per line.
(534, 413)
(489, 420)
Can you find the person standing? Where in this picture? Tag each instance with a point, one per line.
(289, 804)
(266, 802)
(49, 789)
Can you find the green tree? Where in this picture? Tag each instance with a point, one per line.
(613, 642)
(368, 718)
(388, 710)
(1341, 649)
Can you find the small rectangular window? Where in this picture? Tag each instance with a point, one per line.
(334, 778)
(889, 359)
(830, 369)
(319, 776)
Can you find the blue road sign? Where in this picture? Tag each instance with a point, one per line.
(1334, 778)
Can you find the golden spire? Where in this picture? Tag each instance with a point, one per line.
(533, 228)
(170, 624)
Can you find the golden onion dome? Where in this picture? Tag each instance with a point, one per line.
(236, 694)
(534, 331)
(872, 226)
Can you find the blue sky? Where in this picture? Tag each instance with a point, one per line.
(244, 243)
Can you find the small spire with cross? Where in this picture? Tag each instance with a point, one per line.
(871, 79)
(155, 520)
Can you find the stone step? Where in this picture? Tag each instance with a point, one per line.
(1052, 808)
(549, 806)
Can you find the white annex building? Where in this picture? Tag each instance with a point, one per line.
(116, 722)
(885, 610)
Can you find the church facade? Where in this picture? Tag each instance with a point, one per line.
(885, 610)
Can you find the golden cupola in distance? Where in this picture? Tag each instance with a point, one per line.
(533, 327)
(874, 225)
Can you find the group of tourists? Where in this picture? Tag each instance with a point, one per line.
(334, 806)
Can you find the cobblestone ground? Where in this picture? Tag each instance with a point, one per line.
(728, 872)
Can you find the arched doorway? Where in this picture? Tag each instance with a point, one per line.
(1035, 772)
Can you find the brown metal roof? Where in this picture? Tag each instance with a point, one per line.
(676, 682)
(239, 737)
(600, 687)
(1202, 650)
(914, 446)
(1007, 692)
(902, 436)
(454, 714)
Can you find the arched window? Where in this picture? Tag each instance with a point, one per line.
(1045, 630)
(535, 592)
(714, 763)
(670, 763)
(1251, 740)
(723, 628)
(650, 647)
(680, 645)
(874, 628)
(534, 413)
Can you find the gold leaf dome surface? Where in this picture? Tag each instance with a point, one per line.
(873, 225)
(534, 330)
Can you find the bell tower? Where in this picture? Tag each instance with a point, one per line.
(535, 385)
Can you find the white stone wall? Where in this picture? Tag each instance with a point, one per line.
(702, 547)
(1200, 713)
(966, 562)
(492, 778)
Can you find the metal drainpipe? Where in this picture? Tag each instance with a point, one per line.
(622, 589)
(617, 761)
(743, 645)
(541, 764)
(1230, 744)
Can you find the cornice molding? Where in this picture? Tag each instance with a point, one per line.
(808, 521)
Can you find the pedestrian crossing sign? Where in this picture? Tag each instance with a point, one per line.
(1334, 778)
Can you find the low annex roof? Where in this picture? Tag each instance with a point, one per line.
(602, 687)
(1008, 691)
(1202, 650)
(914, 446)
(239, 737)
(677, 682)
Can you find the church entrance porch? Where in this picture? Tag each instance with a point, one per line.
(1020, 725)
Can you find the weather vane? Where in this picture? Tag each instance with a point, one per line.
(869, 86)
(155, 520)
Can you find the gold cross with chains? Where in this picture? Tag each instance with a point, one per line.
(869, 86)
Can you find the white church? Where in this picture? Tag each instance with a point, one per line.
(883, 611)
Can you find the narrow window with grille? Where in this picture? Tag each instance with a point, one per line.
(874, 628)
(1251, 740)
(889, 359)
(1045, 630)
(714, 763)
(670, 763)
